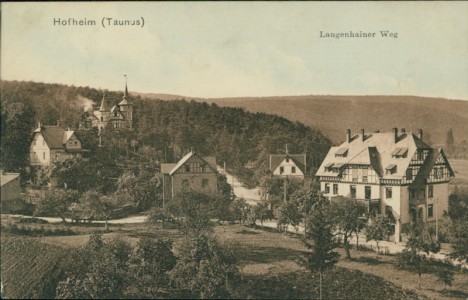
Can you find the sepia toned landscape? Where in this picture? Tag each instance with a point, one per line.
(234, 150)
(114, 192)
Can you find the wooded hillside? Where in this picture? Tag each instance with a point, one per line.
(162, 129)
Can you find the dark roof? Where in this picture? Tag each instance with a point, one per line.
(166, 168)
(53, 136)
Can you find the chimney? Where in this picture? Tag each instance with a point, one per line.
(192, 149)
(348, 135)
(403, 130)
(363, 136)
(377, 130)
(420, 134)
(395, 133)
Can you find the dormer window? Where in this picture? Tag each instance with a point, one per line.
(391, 169)
(328, 167)
(399, 152)
(342, 152)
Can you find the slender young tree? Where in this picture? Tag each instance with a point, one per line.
(420, 244)
(378, 230)
(320, 240)
(347, 214)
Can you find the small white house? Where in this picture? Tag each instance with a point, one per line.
(51, 143)
(288, 165)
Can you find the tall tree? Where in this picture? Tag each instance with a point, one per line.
(99, 206)
(348, 216)
(57, 202)
(420, 243)
(378, 229)
(450, 142)
(17, 120)
(319, 238)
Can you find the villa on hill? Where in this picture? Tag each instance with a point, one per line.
(51, 143)
(394, 173)
(118, 116)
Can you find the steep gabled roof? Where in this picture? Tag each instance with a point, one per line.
(54, 136)
(277, 159)
(209, 160)
(378, 150)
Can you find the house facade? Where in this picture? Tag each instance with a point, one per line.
(119, 116)
(191, 172)
(288, 165)
(11, 199)
(50, 143)
(394, 173)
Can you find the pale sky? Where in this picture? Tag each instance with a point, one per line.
(233, 49)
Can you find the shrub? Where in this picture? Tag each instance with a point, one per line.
(32, 221)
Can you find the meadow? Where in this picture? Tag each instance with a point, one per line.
(268, 261)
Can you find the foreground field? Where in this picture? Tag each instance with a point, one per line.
(268, 262)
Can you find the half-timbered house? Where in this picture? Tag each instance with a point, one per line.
(393, 173)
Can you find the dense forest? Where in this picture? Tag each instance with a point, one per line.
(163, 130)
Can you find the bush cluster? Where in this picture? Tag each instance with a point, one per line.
(31, 231)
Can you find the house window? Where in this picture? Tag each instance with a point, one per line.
(409, 174)
(335, 188)
(388, 193)
(441, 173)
(293, 170)
(420, 213)
(354, 173)
(204, 182)
(352, 191)
(281, 170)
(327, 188)
(430, 212)
(430, 191)
(43, 142)
(76, 143)
(287, 160)
(367, 190)
(187, 168)
(412, 194)
(364, 179)
(419, 155)
(202, 168)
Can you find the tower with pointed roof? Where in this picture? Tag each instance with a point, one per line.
(102, 115)
(126, 107)
(118, 117)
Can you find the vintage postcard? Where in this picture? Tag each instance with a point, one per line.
(273, 150)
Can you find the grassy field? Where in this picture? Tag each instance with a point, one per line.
(268, 262)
